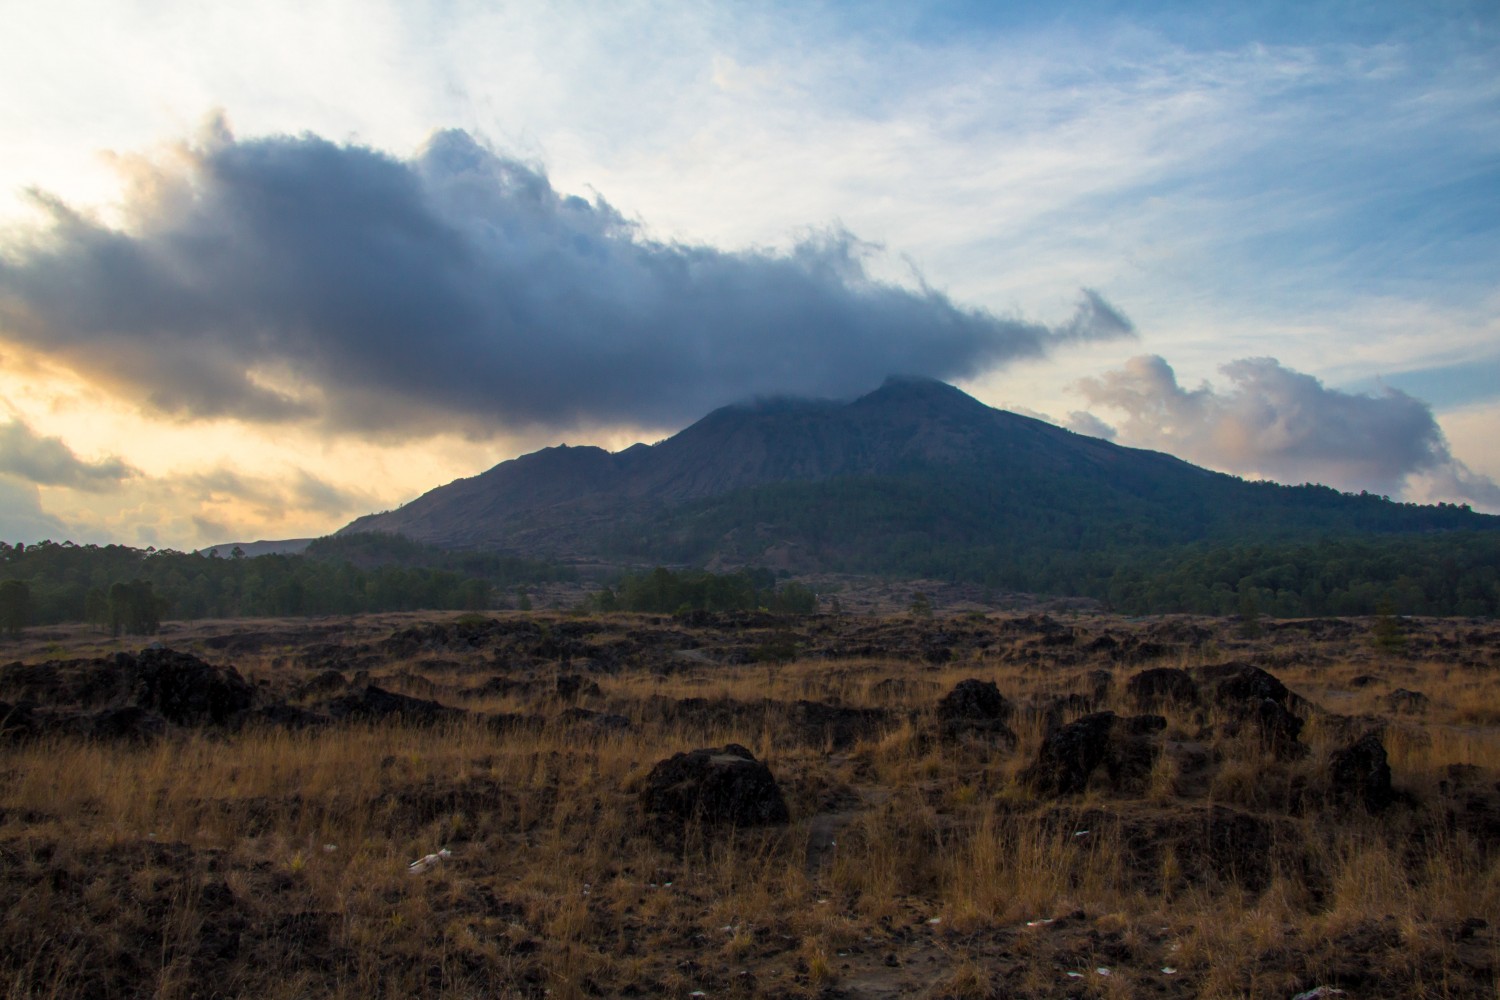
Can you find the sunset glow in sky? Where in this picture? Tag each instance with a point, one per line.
(268, 267)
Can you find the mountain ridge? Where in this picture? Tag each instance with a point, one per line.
(851, 485)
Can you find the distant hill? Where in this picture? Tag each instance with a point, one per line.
(916, 478)
(283, 547)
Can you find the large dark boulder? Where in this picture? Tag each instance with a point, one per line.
(1248, 695)
(121, 723)
(571, 687)
(976, 709)
(723, 786)
(130, 723)
(375, 704)
(1360, 774)
(280, 715)
(1243, 684)
(175, 686)
(1160, 687)
(324, 683)
(1123, 746)
(836, 727)
(1102, 680)
(1052, 712)
(1279, 730)
(183, 689)
(18, 722)
(974, 699)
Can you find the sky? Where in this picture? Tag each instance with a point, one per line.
(266, 267)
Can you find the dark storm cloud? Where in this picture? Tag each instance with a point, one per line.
(293, 279)
(1288, 426)
(47, 461)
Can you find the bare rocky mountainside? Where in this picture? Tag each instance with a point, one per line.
(916, 477)
(548, 500)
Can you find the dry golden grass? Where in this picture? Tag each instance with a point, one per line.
(273, 864)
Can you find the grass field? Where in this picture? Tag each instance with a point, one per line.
(262, 861)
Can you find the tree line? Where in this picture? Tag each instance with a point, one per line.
(1291, 550)
(663, 591)
(131, 590)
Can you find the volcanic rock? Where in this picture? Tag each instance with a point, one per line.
(325, 683)
(184, 689)
(1122, 745)
(377, 704)
(1360, 774)
(1161, 686)
(1250, 695)
(974, 699)
(976, 708)
(837, 727)
(723, 786)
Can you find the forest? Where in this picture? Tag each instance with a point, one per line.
(1286, 550)
(663, 591)
(132, 590)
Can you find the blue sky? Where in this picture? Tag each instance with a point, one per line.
(1311, 183)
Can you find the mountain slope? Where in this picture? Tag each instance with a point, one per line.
(915, 477)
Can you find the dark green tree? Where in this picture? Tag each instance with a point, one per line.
(1250, 624)
(1386, 634)
(15, 606)
(134, 608)
(795, 599)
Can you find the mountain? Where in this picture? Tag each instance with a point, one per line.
(913, 478)
(279, 547)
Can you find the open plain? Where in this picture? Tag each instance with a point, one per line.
(970, 805)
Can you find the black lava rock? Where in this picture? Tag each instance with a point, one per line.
(1121, 745)
(723, 786)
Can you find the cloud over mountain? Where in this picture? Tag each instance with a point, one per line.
(1288, 426)
(295, 279)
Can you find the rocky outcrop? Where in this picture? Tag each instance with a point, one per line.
(713, 787)
(836, 727)
(976, 709)
(1161, 687)
(1249, 696)
(376, 704)
(320, 685)
(132, 694)
(1360, 774)
(1122, 746)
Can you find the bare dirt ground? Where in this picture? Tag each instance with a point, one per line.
(1043, 804)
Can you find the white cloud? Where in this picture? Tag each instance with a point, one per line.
(1280, 424)
(1473, 432)
(22, 518)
